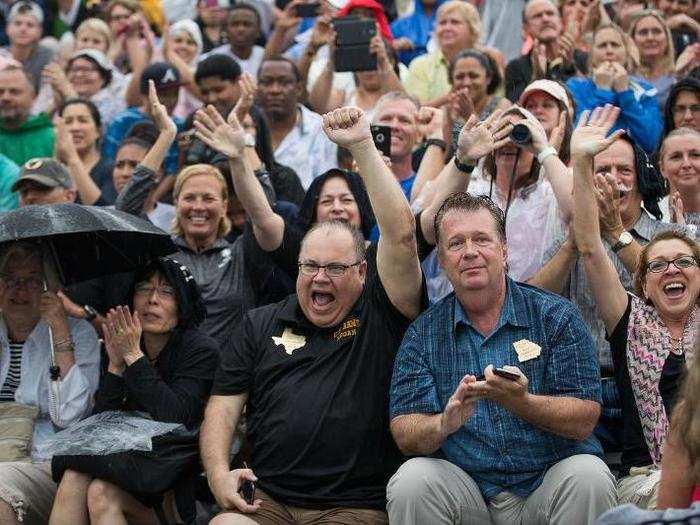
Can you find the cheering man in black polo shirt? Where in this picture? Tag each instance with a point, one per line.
(314, 369)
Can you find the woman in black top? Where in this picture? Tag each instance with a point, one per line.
(159, 363)
(652, 332)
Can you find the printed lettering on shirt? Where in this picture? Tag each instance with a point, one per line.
(289, 340)
(527, 350)
(349, 329)
(225, 257)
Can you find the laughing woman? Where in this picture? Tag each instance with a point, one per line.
(652, 333)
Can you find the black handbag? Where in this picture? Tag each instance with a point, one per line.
(146, 475)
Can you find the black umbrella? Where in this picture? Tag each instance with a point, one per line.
(87, 241)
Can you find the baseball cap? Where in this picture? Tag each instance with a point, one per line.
(27, 8)
(46, 171)
(550, 87)
(97, 56)
(163, 74)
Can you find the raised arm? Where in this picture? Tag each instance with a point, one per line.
(430, 126)
(552, 276)
(228, 138)
(135, 193)
(397, 253)
(167, 131)
(88, 191)
(476, 140)
(556, 172)
(588, 140)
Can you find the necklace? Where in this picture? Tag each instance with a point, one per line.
(677, 345)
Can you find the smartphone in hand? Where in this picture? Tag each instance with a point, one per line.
(247, 491)
(381, 135)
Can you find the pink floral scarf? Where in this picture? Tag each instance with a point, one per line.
(648, 345)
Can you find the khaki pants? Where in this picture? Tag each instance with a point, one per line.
(641, 487)
(272, 512)
(576, 490)
(29, 490)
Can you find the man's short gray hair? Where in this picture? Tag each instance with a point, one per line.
(335, 226)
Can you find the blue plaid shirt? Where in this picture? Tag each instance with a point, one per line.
(500, 451)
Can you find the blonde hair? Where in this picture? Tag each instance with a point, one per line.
(669, 59)
(467, 12)
(678, 132)
(631, 63)
(193, 171)
(98, 26)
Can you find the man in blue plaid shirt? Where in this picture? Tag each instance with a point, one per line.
(516, 449)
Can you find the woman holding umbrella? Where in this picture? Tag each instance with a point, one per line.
(159, 363)
(33, 327)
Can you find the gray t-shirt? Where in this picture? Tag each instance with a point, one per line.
(223, 282)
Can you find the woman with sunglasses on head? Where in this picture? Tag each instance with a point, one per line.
(652, 332)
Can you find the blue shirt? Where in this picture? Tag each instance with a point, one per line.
(406, 187)
(499, 450)
(9, 173)
(121, 125)
(639, 108)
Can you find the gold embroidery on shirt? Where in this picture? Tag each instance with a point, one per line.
(348, 329)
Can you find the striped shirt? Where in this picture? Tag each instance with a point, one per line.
(7, 392)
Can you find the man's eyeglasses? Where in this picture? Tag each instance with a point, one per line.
(166, 292)
(33, 284)
(332, 270)
(84, 70)
(660, 266)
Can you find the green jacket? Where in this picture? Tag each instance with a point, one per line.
(9, 172)
(34, 138)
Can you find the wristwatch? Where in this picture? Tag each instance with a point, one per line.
(90, 312)
(464, 168)
(623, 241)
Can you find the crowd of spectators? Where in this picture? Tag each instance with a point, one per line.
(462, 286)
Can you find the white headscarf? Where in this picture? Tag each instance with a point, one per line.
(192, 29)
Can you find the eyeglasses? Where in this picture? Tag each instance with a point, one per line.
(32, 284)
(681, 110)
(332, 270)
(660, 266)
(164, 292)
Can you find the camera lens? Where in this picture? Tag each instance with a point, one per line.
(520, 134)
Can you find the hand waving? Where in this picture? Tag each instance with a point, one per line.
(346, 126)
(228, 138)
(248, 88)
(478, 139)
(159, 113)
(589, 137)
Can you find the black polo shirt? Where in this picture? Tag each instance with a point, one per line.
(318, 404)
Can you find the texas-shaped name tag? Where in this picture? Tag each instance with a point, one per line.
(527, 350)
(289, 340)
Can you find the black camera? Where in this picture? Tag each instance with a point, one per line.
(352, 44)
(520, 134)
